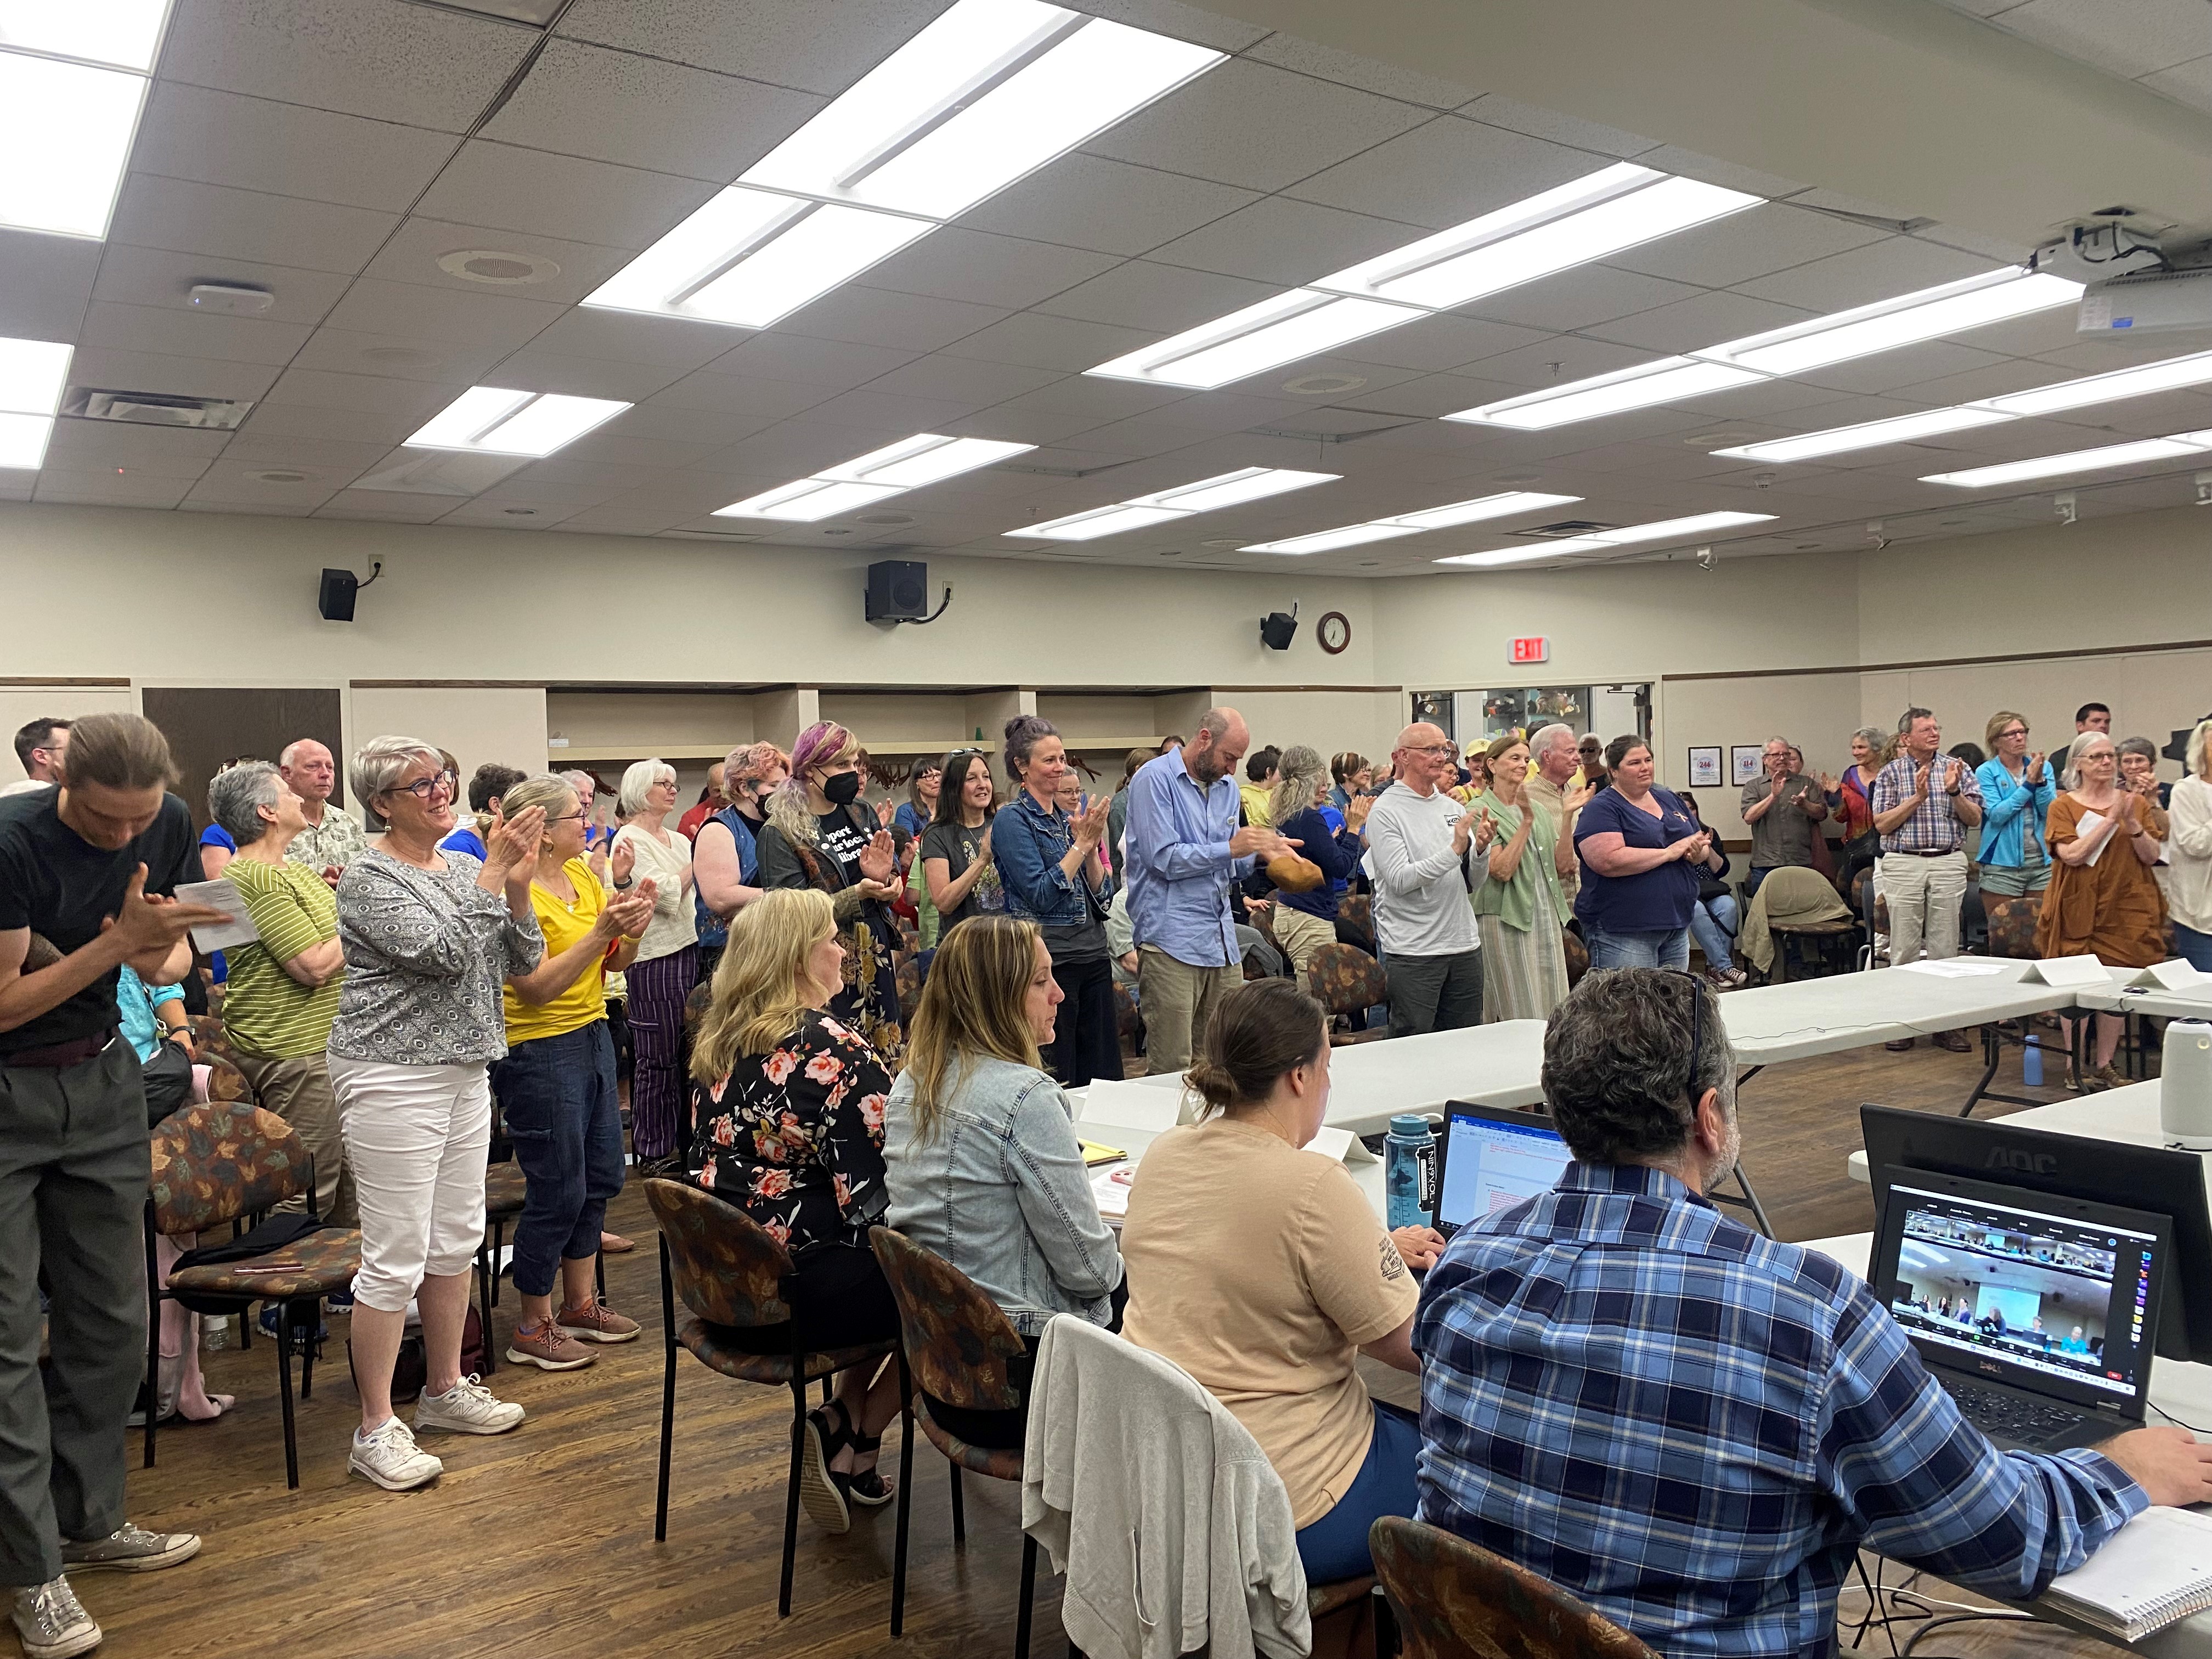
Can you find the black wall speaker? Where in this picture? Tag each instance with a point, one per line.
(1278, 627)
(898, 591)
(335, 600)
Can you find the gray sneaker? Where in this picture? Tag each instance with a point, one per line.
(130, 1549)
(51, 1623)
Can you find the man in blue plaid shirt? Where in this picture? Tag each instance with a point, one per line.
(1691, 1426)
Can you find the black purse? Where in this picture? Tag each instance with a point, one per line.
(168, 1082)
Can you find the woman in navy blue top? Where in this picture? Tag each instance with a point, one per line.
(1640, 849)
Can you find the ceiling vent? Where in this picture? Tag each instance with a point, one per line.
(498, 267)
(1569, 527)
(157, 408)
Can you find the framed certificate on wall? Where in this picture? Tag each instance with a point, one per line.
(1705, 768)
(1746, 760)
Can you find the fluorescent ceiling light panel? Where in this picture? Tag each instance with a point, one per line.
(23, 440)
(1662, 530)
(985, 94)
(494, 420)
(2079, 460)
(1867, 434)
(1410, 524)
(2168, 374)
(924, 458)
(68, 128)
(31, 375)
(120, 34)
(1250, 483)
(1282, 330)
(1925, 314)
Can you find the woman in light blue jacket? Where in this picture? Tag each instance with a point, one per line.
(2017, 790)
(979, 1151)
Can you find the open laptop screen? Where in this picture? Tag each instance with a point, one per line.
(2055, 1296)
(1493, 1160)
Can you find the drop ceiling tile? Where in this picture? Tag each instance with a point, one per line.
(607, 447)
(821, 49)
(2042, 333)
(599, 480)
(644, 113)
(675, 343)
(1997, 250)
(281, 445)
(1183, 22)
(230, 483)
(1693, 323)
(614, 520)
(382, 397)
(424, 66)
(413, 253)
(80, 446)
(838, 365)
(1166, 297)
(1111, 207)
(869, 410)
(415, 310)
(664, 421)
(398, 356)
(1033, 340)
(384, 505)
(1144, 435)
(754, 398)
(1890, 371)
(1096, 399)
(45, 282)
(1278, 240)
(1756, 242)
(181, 377)
(185, 217)
(957, 263)
(1433, 395)
(502, 513)
(191, 334)
(858, 315)
(1860, 276)
(1446, 172)
(534, 369)
(1254, 125)
(1441, 343)
(155, 276)
(1990, 380)
(969, 381)
(109, 489)
(312, 425)
(1495, 110)
(563, 196)
(1560, 361)
(250, 509)
(2126, 38)
(2189, 82)
(1581, 298)
(286, 149)
(1350, 70)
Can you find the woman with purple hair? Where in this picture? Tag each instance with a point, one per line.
(820, 835)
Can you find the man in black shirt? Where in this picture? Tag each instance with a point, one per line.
(90, 867)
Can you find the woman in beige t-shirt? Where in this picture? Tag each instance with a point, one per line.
(1261, 1270)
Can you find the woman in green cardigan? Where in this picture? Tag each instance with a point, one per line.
(1520, 908)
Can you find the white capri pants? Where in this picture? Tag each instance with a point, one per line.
(418, 1138)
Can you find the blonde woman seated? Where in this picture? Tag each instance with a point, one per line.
(1263, 1270)
(985, 1167)
(790, 1105)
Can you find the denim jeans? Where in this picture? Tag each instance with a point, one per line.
(1335, 1547)
(558, 1095)
(1666, 948)
(1712, 924)
(2195, 948)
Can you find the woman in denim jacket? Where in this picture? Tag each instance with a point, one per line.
(981, 1161)
(1055, 874)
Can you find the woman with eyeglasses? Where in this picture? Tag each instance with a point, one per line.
(667, 964)
(430, 940)
(821, 835)
(2017, 790)
(956, 848)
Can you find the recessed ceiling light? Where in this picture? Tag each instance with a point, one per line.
(1324, 385)
(924, 458)
(520, 511)
(278, 476)
(493, 420)
(2079, 460)
(985, 94)
(1926, 315)
(1251, 484)
(884, 519)
(33, 373)
(499, 269)
(1626, 536)
(1412, 524)
(1614, 208)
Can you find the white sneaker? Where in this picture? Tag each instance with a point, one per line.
(468, 1407)
(390, 1457)
(51, 1623)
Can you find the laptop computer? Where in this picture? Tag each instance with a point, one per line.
(2037, 1312)
(1492, 1157)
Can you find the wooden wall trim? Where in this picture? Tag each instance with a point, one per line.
(1363, 690)
(447, 686)
(60, 680)
(1943, 662)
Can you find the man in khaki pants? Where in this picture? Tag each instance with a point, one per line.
(1184, 848)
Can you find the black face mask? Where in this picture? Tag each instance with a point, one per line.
(844, 789)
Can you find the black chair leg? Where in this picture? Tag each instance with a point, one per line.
(791, 1494)
(959, 1509)
(307, 1356)
(284, 1373)
(1029, 1595)
(1386, 1626)
(905, 1492)
(667, 1393)
(153, 1341)
(599, 1273)
(498, 1245)
(484, 1283)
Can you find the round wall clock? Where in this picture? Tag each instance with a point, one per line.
(1334, 632)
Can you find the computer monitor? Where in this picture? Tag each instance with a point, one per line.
(2150, 1178)
(1492, 1159)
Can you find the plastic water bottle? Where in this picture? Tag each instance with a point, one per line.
(1409, 1155)
(214, 1332)
(2030, 1063)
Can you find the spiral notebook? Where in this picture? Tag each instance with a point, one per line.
(2153, 1571)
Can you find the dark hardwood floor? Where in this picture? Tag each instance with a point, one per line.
(539, 1543)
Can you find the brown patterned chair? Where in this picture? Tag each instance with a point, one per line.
(223, 1161)
(1576, 954)
(226, 1081)
(1455, 1600)
(1356, 911)
(729, 1271)
(2012, 923)
(957, 1345)
(1344, 979)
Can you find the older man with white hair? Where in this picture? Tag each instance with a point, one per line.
(1419, 839)
(333, 838)
(1554, 756)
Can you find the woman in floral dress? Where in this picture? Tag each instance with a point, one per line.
(790, 1105)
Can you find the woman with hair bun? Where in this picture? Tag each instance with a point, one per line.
(1263, 1272)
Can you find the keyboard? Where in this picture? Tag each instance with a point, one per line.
(2021, 1418)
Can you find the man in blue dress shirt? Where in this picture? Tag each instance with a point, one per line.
(1692, 1427)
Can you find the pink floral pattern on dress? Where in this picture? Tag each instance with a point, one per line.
(794, 1137)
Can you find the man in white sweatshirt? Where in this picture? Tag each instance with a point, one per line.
(1418, 845)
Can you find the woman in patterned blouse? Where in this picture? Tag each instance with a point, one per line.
(790, 1105)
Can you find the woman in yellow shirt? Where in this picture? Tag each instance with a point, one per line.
(556, 1085)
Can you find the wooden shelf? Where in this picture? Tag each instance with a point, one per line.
(585, 753)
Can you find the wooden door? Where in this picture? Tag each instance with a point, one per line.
(206, 725)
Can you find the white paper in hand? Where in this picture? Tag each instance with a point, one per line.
(221, 896)
(2086, 828)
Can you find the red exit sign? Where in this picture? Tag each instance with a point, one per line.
(1536, 648)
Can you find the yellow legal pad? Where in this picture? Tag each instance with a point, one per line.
(1094, 1154)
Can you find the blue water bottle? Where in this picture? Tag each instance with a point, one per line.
(1409, 1154)
(2030, 1063)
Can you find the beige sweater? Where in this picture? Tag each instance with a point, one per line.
(674, 924)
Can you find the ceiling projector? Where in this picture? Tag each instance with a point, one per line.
(2152, 303)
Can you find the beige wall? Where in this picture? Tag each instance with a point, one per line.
(20, 705)
(477, 724)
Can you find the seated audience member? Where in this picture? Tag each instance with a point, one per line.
(2189, 854)
(330, 838)
(1305, 921)
(40, 747)
(791, 1110)
(984, 1166)
(491, 781)
(1260, 772)
(1713, 922)
(1262, 1272)
(957, 865)
(285, 986)
(555, 1086)
(1519, 907)
(1640, 852)
(1694, 1427)
(1782, 807)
